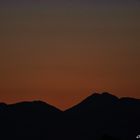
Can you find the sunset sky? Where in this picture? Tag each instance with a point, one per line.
(61, 51)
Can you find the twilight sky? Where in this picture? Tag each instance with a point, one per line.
(60, 51)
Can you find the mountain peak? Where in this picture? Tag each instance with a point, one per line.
(104, 96)
(96, 100)
(100, 116)
(108, 95)
(34, 106)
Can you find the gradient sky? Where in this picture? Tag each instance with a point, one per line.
(60, 51)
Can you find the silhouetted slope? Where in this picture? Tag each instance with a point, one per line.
(28, 120)
(98, 117)
(95, 101)
(106, 114)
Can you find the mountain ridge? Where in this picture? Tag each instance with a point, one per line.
(94, 95)
(98, 117)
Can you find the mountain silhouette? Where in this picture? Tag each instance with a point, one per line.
(98, 117)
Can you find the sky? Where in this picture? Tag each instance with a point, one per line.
(61, 51)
